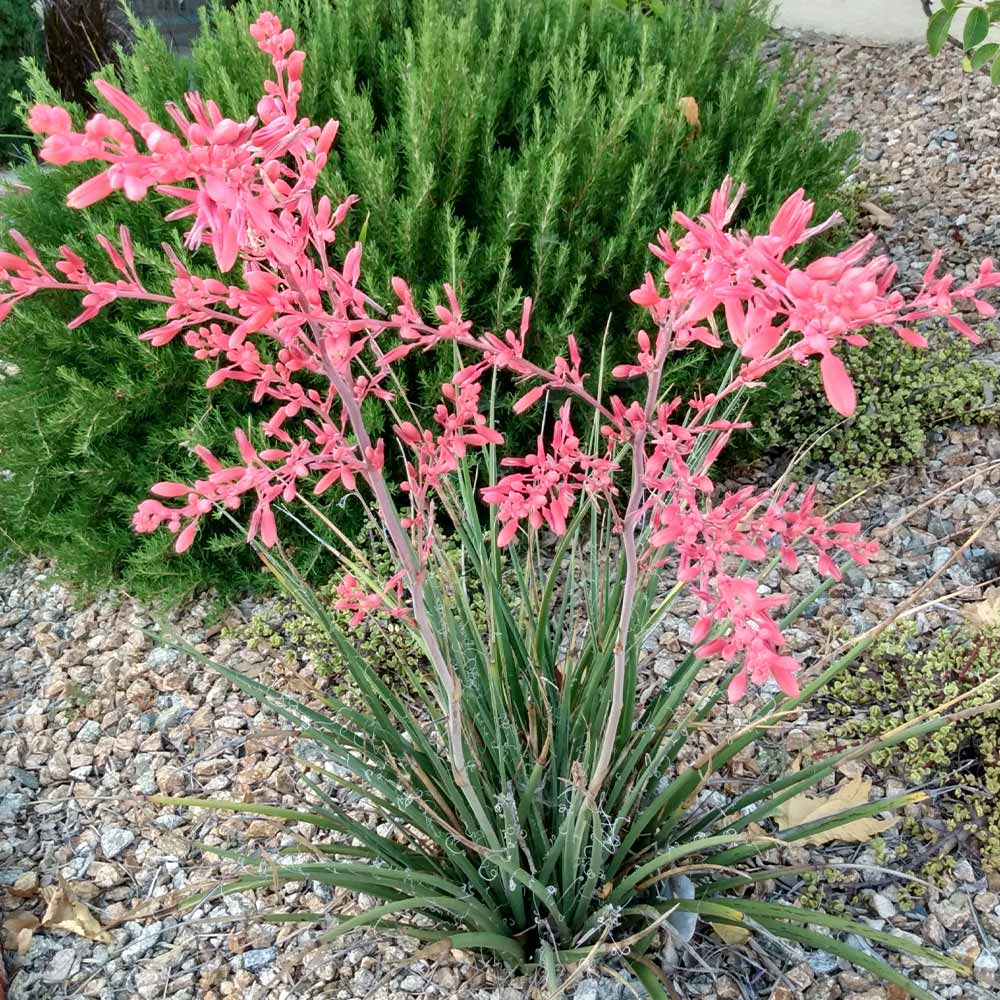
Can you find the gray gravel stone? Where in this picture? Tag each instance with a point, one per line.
(258, 958)
(10, 805)
(145, 938)
(63, 964)
(89, 732)
(115, 840)
(823, 963)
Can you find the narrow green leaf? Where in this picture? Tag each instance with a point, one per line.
(645, 973)
(853, 955)
(255, 809)
(660, 864)
(412, 904)
(802, 915)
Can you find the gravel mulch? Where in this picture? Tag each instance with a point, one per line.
(929, 170)
(94, 717)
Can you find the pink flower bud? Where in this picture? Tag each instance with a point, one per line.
(48, 120)
(169, 489)
(529, 399)
(90, 191)
(186, 537)
(226, 132)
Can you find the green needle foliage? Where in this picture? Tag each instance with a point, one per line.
(510, 147)
(523, 863)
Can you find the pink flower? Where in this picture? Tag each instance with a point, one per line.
(546, 491)
(48, 120)
(301, 334)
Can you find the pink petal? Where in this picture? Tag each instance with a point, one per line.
(529, 399)
(90, 191)
(507, 533)
(122, 103)
(837, 385)
(186, 537)
(268, 529)
(169, 490)
(737, 686)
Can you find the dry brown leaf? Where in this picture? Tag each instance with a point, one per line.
(733, 936)
(809, 808)
(877, 214)
(688, 106)
(985, 613)
(66, 913)
(851, 768)
(18, 929)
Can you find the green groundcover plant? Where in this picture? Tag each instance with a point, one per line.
(900, 679)
(531, 805)
(541, 175)
(902, 396)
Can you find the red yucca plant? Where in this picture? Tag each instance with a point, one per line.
(534, 799)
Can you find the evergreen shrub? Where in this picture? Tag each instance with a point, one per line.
(20, 36)
(510, 147)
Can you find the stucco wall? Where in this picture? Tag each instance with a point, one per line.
(868, 20)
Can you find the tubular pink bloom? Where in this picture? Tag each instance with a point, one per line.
(724, 203)
(90, 191)
(737, 686)
(268, 529)
(169, 490)
(792, 218)
(837, 385)
(186, 537)
(959, 324)
(507, 533)
(529, 399)
(647, 295)
(525, 316)
(123, 104)
(911, 337)
(11, 262)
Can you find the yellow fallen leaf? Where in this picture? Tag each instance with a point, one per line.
(66, 913)
(733, 936)
(985, 613)
(18, 929)
(810, 808)
(688, 106)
